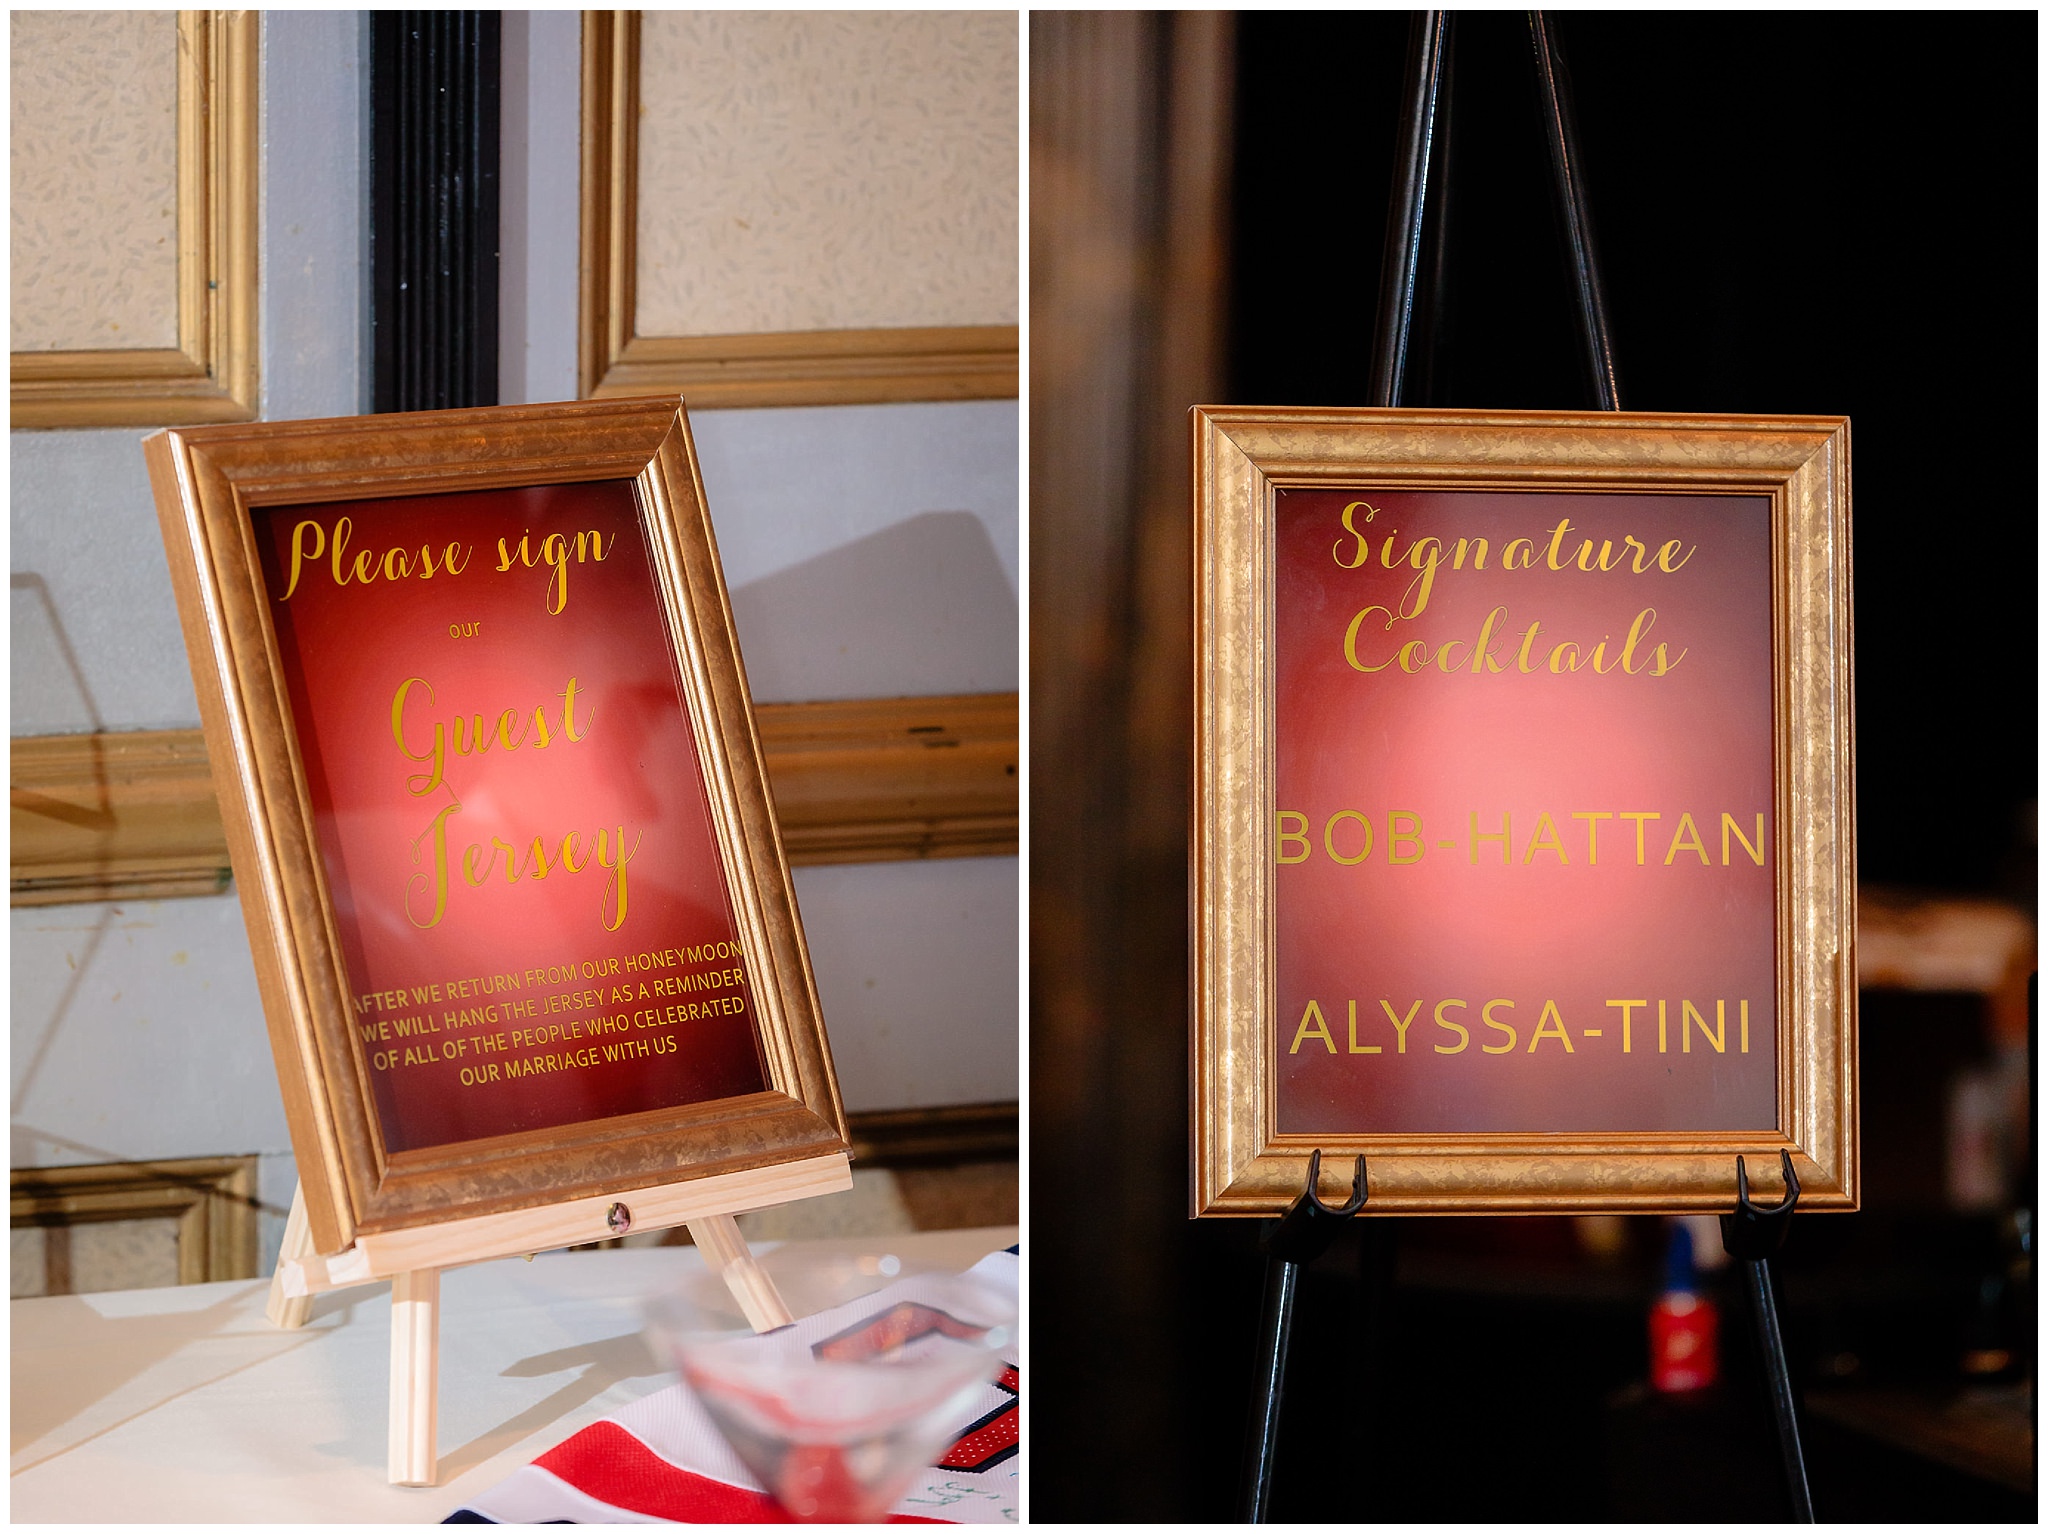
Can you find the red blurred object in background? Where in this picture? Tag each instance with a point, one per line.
(1685, 1351)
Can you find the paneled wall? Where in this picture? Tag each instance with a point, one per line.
(93, 114)
(136, 1034)
(871, 550)
(790, 177)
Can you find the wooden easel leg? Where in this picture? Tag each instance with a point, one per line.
(725, 1251)
(283, 1310)
(415, 1362)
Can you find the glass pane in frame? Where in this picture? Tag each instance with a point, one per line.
(510, 810)
(1524, 813)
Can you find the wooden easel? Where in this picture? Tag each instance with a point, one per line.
(413, 1261)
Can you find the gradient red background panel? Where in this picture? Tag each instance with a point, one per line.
(1562, 912)
(550, 1008)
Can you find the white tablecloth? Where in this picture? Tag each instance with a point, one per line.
(185, 1404)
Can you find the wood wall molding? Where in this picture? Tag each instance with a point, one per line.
(114, 816)
(211, 375)
(132, 816)
(213, 1199)
(884, 779)
(817, 367)
(959, 1132)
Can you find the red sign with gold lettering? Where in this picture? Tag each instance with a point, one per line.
(1523, 775)
(510, 810)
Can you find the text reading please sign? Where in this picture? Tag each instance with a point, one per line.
(1524, 813)
(510, 811)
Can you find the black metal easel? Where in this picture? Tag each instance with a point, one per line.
(1305, 1232)
(1755, 1236)
(1301, 1235)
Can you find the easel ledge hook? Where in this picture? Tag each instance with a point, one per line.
(1754, 1233)
(1305, 1232)
(1351, 1206)
(1784, 1205)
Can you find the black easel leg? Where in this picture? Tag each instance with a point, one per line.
(1301, 1235)
(1751, 1235)
(1411, 198)
(1778, 1380)
(1567, 166)
(1276, 1331)
(1429, 331)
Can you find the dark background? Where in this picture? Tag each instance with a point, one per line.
(1795, 213)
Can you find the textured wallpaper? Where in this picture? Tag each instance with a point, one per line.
(826, 171)
(94, 118)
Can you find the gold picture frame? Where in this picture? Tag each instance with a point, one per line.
(1242, 1164)
(738, 1152)
(212, 373)
(814, 367)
